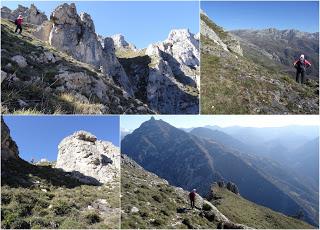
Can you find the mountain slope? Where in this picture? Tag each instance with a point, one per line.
(220, 137)
(240, 210)
(53, 82)
(278, 163)
(78, 67)
(42, 196)
(190, 162)
(281, 47)
(232, 83)
(150, 202)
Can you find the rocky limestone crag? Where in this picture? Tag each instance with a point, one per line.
(174, 65)
(75, 34)
(30, 15)
(181, 51)
(88, 159)
(120, 43)
(225, 40)
(9, 148)
(151, 82)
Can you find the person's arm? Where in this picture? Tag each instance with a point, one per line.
(295, 62)
(307, 63)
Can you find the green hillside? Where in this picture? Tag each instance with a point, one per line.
(240, 210)
(44, 197)
(235, 84)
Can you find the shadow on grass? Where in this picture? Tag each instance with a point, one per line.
(19, 173)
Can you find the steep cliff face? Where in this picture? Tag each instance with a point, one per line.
(9, 148)
(86, 157)
(75, 34)
(235, 81)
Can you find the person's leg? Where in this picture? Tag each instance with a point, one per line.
(297, 76)
(302, 77)
(20, 27)
(16, 29)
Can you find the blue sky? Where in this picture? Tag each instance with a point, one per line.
(39, 136)
(188, 121)
(301, 15)
(141, 23)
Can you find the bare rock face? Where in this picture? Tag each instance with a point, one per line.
(226, 41)
(121, 43)
(181, 51)
(90, 160)
(75, 35)
(43, 31)
(174, 66)
(9, 148)
(31, 15)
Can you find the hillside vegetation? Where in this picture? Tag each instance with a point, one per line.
(240, 210)
(44, 197)
(235, 84)
(35, 89)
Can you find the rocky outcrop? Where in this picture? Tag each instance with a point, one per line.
(88, 159)
(216, 34)
(174, 67)
(120, 43)
(9, 148)
(181, 51)
(31, 15)
(75, 34)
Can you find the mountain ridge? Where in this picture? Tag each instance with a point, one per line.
(183, 163)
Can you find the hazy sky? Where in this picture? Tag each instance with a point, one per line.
(301, 15)
(39, 136)
(141, 23)
(188, 121)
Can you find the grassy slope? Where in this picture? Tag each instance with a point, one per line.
(157, 203)
(242, 211)
(41, 101)
(237, 85)
(44, 197)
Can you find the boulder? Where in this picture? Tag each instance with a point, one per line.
(20, 60)
(88, 159)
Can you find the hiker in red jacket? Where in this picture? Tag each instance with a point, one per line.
(301, 65)
(192, 196)
(18, 23)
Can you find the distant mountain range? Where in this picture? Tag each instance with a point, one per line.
(196, 161)
(151, 202)
(280, 47)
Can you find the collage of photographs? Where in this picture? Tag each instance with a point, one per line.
(159, 114)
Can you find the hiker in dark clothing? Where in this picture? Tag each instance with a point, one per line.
(18, 23)
(192, 196)
(301, 65)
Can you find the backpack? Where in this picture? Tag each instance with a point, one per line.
(16, 22)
